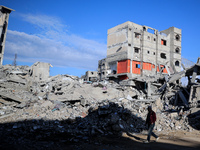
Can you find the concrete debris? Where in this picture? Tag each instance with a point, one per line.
(63, 104)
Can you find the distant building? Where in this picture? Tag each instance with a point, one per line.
(134, 50)
(4, 16)
(102, 69)
(91, 76)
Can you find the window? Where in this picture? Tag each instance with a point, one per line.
(154, 53)
(130, 29)
(2, 38)
(148, 52)
(137, 35)
(137, 66)
(144, 29)
(177, 37)
(1, 47)
(177, 63)
(177, 50)
(150, 31)
(148, 37)
(163, 42)
(154, 39)
(129, 44)
(92, 73)
(136, 50)
(163, 55)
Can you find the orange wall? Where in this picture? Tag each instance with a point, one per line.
(123, 66)
(134, 69)
(147, 66)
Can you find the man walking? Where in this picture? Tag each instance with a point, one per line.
(150, 121)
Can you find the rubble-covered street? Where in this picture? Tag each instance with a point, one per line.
(138, 89)
(60, 111)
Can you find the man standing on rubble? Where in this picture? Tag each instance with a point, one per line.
(150, 121)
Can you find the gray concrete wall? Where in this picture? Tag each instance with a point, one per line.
(4, 16)
(91, 74)
(40, 71)
(174, 44)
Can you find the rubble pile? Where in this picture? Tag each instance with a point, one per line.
(64, 106)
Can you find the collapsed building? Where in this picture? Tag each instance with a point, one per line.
(135, 51)
(4, 16)
(36, 107)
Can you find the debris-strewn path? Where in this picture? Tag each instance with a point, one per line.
(170, 141)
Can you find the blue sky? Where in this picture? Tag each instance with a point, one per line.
(72, 34)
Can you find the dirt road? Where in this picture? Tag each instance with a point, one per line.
(168, 141)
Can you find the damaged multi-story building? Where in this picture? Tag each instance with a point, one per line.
(137, 50)
(4, 16)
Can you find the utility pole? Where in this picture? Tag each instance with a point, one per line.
(15, 61)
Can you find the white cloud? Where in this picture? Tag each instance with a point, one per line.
(44, 22)
(53, 45)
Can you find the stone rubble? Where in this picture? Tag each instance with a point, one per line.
(63, 106)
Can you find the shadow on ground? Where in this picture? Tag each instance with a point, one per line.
(101, 129)
(194, 120)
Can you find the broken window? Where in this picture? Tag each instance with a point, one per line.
(4, 26)
(163, 55)
(177, 50)
(177, 63)
(144, 29)
(163, 42)
(129, 44)
(2, 38)
(137, 35)
(137, 66)
(150, 31)
(177, 37)
(136, 50)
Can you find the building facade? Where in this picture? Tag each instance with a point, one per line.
(4, 16)
(91, 76)
(134, 50)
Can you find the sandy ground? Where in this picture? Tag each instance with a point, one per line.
(173, 140)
